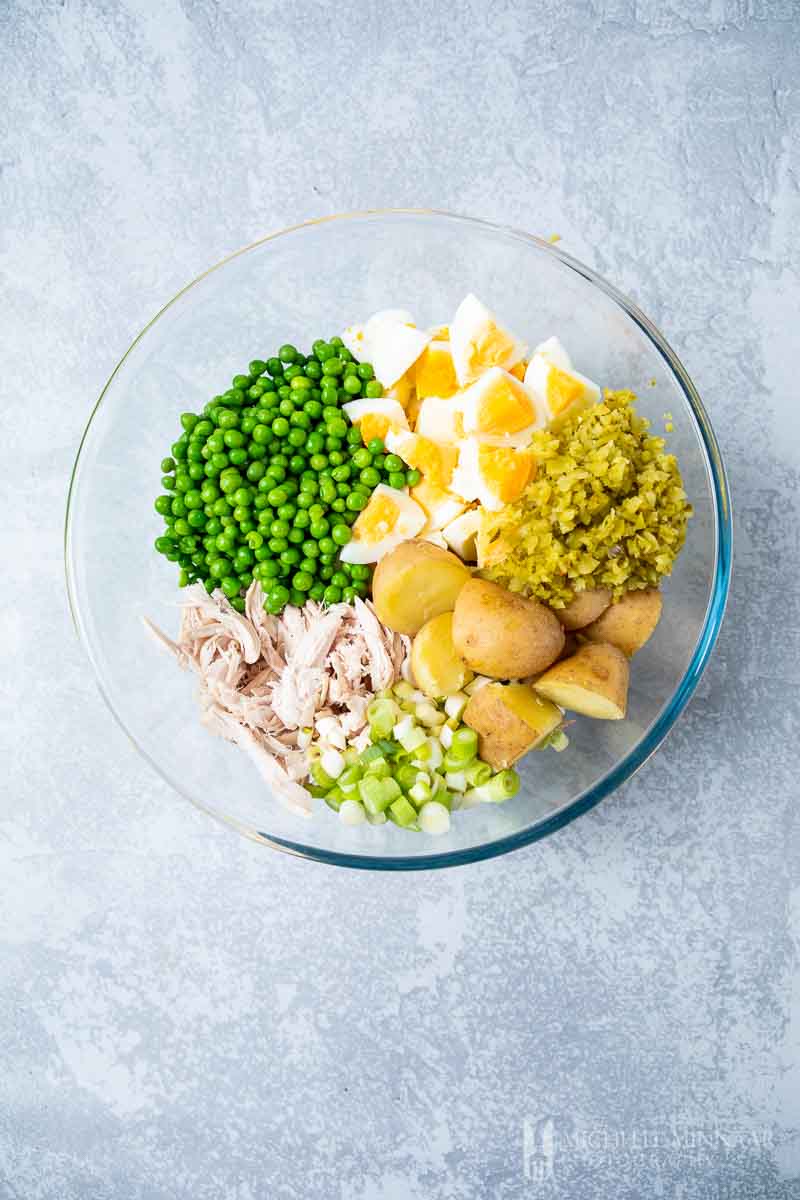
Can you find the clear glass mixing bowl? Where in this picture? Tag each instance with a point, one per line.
(292, 287)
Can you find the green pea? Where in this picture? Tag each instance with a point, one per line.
(163, 505)
(196, 518)
(287, 353)
(373, 389)
(279, 528)
(338, 505)
(296, 535)
(356, 501)
(397, 480)
(313, 370)
(280, 427)
(302, 581)
(333, 366)
(302, 520)
(352, 385)
(291, 556)
(341, 534)
(370, 477)
(413, 477)
(332, 594)
(278, 544)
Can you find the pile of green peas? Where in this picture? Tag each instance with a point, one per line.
(266, 483)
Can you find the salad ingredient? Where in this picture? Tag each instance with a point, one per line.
(415, 582)
(390, 341)
(376, 416)
(502, 634)
(593, 682)
(435, 374)
(441, 506)
(266, 482)
(440, 419)
(461, 533)
(437, 669)
(390, 517)
(607, 509)
(509, 719)
(273, 683)
(584, 608)
(434, 818)
(497, 406)
(492, 475)
(629, 622)
(409, 765)
(478, 341)
(560, 390)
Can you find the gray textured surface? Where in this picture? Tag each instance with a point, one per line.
(183, 1014)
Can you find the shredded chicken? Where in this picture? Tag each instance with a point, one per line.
(274, 684)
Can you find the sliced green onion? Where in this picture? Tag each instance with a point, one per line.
(332, 763)
(452, 762)
(465, 744)
(558, 740)
(379, 768)
(348, 780)
(454, 705)
(446, 736)
(320, 776)
(377, 818)
(406, 776)
(477, 774)
(351, 812)
(382, 716)
(428, 714)
(413, 740)
(403, 690)
(420, 793)
(434, 818)
(456, 781)
(500, 787)
(334, 798)
(403, 813)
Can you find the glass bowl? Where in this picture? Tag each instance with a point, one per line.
(311, 281)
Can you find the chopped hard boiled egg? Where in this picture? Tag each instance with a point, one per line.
(441, 507)
(555, 353)
(390, 517)
(440, 419)
(390, 341)
(478, 341)
(562, 390)
(376, 417)
(434, 460)
(435, 373)
(498, 406)
(460, 535)
(492, 475)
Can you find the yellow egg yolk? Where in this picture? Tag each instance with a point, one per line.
(562, 390)
(518, 370)
(506, 408)
(375, 425)
(435, 461)
(436, 374)
(505, 471)
(488, 348)
(377, 520)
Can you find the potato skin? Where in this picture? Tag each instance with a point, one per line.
(415, 582)
(584, 608)
(628, 623)
(509, 719)
(593, 682)
(502, 634)
(437, 668)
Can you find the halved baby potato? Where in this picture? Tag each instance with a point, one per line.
(584, 608)
(414, 582)
(593, 682)
(503, 634)
(437, 668)
(628, 623)
(509, 719)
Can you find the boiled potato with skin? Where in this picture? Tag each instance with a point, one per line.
(509, 719)
(415, 582)
(584, 608)
(628, 623)
(438, 670)
(593, 682)
(503, 634)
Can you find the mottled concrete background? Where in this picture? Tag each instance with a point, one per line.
(614, 1013)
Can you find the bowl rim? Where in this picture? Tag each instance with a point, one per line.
(715, 609)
